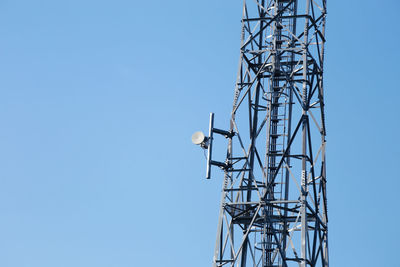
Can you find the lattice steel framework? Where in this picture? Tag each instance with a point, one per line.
(273, 208)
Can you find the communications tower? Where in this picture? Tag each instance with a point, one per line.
(274, 207)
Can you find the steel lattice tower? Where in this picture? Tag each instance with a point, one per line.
(274, 207)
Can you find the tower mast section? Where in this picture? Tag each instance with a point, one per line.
(273, 206)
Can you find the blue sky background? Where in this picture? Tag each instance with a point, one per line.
(98, 101)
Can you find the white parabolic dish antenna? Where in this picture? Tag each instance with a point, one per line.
(198, 138)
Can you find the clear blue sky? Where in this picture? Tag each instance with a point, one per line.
(98, 101)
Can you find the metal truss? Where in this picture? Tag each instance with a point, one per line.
(274, 207)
